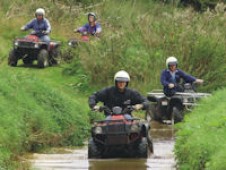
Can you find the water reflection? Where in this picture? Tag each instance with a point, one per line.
(118, 164)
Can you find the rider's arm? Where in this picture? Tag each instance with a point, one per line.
(187, 78)
(48, 26)
(99, 96)
(137, 98)
(29, 25)
(164, 79)
(98, 28)
(83, 28)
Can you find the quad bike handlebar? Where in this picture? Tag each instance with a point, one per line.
(115, 109)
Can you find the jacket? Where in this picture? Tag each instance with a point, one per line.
(39, 26)
(111, 97)
(91, 30)
(167, 78)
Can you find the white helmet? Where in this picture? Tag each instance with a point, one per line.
(92, 14)
(40, 11)
(122, 76)
(171, 60)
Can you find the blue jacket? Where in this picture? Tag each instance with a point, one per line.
(39, 26)
(91, 30)
(167, 78)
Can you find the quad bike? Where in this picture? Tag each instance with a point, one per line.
(30, 48)
(84, 38)
(172, 109)
(120, 137)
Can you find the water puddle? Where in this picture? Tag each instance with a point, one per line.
(162, 159)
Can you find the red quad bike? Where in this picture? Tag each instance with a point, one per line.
(30, 48)
(120, 137)
(171, 110)
(83, 39)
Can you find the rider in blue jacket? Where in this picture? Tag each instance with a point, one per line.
(171, 77)
(40, 25)
(92, 27)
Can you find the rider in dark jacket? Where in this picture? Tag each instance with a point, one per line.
(118, 95)
(171, 77)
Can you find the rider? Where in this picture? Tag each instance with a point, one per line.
(92, 27)
(170, 77)
(40, 25)
(118, 95)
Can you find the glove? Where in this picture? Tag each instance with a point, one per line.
(199, 81)
(138, 106)
(171, 85)
(45, 32)
(76, 30)
(22, 28)
(33, 32)
(96, 108)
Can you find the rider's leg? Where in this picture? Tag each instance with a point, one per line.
(127, 116)
(45, 38)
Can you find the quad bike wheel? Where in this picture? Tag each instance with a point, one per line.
(143, 148)
(150, 143)
(56, 56)
(153, 113)
(93, 151)
(43, 59)
(12, 60)
(177, 115)
(149, 115)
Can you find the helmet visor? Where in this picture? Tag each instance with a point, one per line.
(122, 79)
(172, 64)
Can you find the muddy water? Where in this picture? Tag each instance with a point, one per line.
(162, 159)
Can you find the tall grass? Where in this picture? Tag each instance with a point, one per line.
(200, 142)
(35, 114)
(139, 35)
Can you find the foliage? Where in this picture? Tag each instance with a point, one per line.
(200, 139)
(39, 115)
(143, 34)
(201, 5)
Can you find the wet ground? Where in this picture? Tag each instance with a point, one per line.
(162, 159)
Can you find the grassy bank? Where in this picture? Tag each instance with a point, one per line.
(200, 142)
(39, 108)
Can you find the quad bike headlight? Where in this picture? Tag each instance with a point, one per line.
(98, 130)
(134, 128)
(16, 43)
(36, 45)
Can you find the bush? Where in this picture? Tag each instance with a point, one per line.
(200, 139)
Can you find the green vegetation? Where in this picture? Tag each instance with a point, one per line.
(139, 35)
(200, 142)
(37, 112)
(48, 107)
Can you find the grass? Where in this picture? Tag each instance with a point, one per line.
(200, 139)
(139, 35)
(38, 111)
